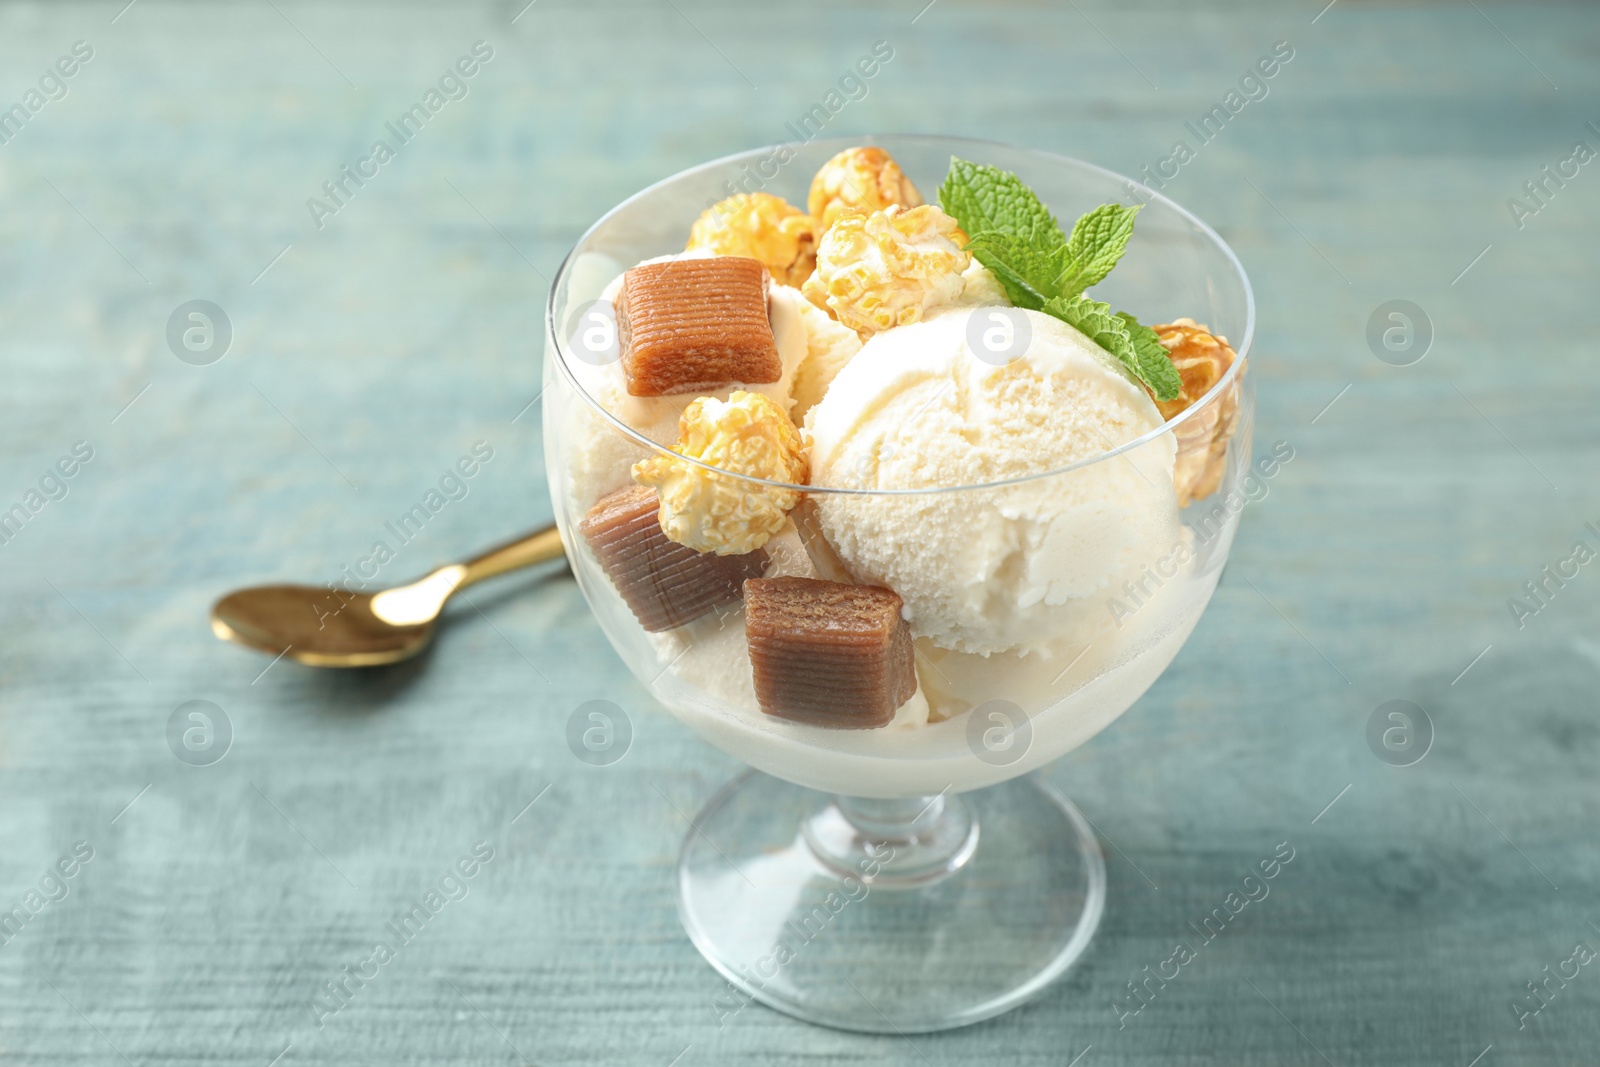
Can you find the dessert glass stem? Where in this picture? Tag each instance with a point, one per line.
(905, 842)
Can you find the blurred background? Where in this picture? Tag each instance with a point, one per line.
(1439, 155)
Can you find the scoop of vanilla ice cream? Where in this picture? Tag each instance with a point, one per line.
(1016, 567)
(831, 344)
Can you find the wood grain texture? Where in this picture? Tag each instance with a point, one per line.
(378, 348)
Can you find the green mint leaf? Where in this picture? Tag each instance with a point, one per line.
(1133, 345)
(1015, 236)
(1020, 293)
(1155, 362)
(1098, 240)
(1027, 273)
(1096, 322)
(985, 199)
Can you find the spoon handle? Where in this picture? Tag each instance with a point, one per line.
(541, 546)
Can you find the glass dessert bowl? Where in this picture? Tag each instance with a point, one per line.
(874, 497)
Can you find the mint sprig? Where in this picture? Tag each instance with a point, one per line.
(983, 198)
(1028, 274)
(1097, 243)
(1135, 346)
(1155, 366)
(1014, 235)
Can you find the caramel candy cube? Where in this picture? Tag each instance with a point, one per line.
(826, 653)
(696, 325)
(664, 583)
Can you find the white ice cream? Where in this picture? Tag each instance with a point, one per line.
(1067, 699)
(829, 347)
(1021, 567)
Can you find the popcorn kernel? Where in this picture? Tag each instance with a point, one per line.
(763, 227)
(888, 268)
(718, 511)
(867, 178)
(1201, 360)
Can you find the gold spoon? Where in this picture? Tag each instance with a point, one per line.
(324, 627)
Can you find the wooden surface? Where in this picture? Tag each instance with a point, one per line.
(379, 348)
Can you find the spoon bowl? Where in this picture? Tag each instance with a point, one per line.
(324, 626)
(309, 624)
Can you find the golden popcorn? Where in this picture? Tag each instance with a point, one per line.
(1201, 360)
(865, 178)
(711, 511)
(888, 268)
(763, 227)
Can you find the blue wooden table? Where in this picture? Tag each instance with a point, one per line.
(158, 909)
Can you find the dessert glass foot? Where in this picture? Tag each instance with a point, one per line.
(888, 916)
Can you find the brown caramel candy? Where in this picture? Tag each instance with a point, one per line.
(826, 653)
(664, 583)
(695, 325)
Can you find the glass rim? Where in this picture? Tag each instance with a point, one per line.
(1211, 396)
